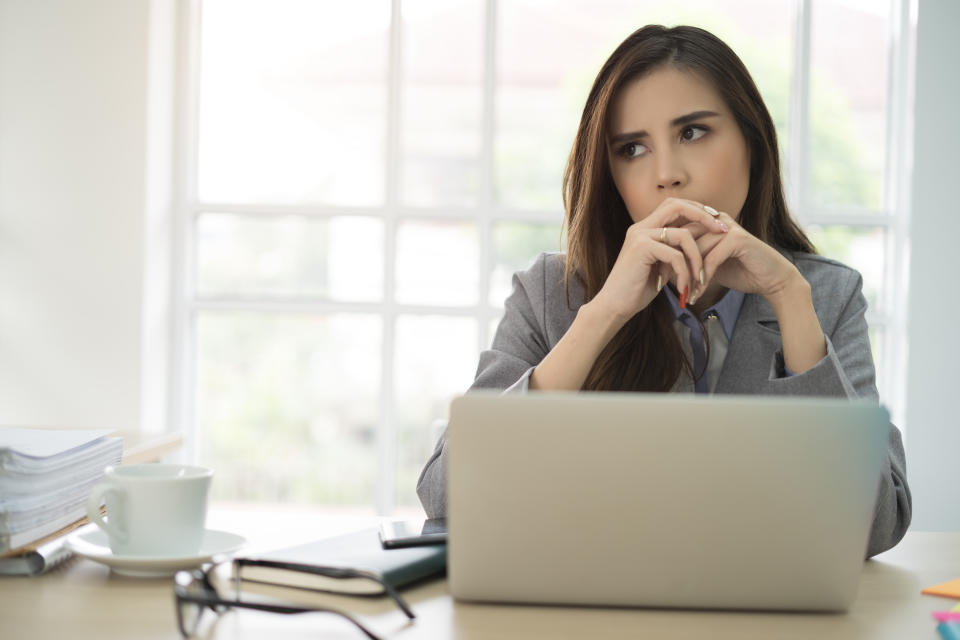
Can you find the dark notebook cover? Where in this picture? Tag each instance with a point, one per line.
(361, 551)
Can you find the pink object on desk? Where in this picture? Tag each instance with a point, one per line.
(947, 616)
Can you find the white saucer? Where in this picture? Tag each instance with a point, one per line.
(91, 542)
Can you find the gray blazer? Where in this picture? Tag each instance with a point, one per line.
(536, 316)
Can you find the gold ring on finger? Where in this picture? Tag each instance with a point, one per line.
(663, 235)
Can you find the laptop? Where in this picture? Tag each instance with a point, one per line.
(662, 500)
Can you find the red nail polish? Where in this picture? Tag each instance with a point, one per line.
(683, 297)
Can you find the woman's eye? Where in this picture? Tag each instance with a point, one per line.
(632, 150)
(691, 133)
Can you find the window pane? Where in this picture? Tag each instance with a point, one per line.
(293, 101)
(848, 102)
(441, 102)
(437, 263)
(288, 406)
(543, 81)
(515, 246)
(339, 258)
(541, 84)
(436, 360)
(864, 249)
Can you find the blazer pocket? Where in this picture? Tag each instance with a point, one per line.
(769, 327)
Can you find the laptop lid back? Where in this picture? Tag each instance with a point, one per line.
(663, 500)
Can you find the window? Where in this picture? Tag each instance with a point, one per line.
(363, 178)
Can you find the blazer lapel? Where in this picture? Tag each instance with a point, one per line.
(747, 348)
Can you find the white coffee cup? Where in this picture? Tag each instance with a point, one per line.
(157, 510)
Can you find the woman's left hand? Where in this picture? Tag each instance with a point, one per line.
(740, 261)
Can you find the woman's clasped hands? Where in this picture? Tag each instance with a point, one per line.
(698, 249)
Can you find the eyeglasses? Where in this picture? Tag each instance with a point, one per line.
(195, 593)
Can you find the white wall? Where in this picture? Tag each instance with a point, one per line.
(933, 392)
(75, 211)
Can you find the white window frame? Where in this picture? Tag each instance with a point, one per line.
(891, 317)
(893, 216)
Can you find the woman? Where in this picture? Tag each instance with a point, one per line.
(684, 270)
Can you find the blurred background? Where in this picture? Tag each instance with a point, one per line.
(318, 206)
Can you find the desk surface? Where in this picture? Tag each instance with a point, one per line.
(83, 599)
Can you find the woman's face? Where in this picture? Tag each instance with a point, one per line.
(671, 134)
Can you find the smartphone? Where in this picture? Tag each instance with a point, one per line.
(413, 533)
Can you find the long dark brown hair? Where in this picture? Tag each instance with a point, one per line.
(645, 355)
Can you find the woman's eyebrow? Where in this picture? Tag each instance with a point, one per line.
(690, 117)
(676, 122)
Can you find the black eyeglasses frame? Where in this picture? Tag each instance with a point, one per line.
(211, 599)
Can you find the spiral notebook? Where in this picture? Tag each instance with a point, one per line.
(41, 556)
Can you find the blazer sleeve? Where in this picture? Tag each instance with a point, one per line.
(848, 370)
(851, 346)
(520, 343)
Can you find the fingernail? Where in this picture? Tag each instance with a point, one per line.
(683, 297)
(711, 210)
(659, 282)
(701, 277)
(723, 226)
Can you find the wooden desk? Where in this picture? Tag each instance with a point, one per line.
(84, 600)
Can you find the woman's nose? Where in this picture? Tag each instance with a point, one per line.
(670, 172)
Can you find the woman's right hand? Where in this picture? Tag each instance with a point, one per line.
(630, 287)
(658, 249)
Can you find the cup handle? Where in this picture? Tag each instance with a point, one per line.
(93, 511)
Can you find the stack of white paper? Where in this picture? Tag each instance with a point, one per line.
(45, 478)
